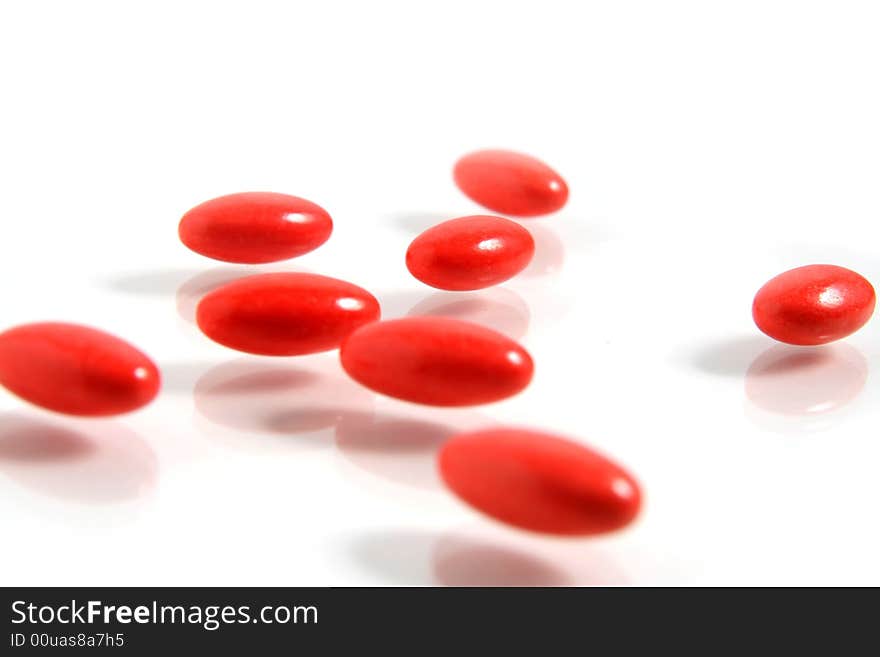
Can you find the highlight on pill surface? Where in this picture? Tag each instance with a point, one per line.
(436, 361)
(75, 369)
(285, 314)
(510, 183)
(813, 305)
(538, 481)
(470, 253)
(255, 227)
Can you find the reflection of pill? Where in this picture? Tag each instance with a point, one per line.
(813, 305)
(510, 183)
(797, 381)
(255, 227)
(539, 482)
(436, 361)
(286, 314)
(470, 253)
(75, 369)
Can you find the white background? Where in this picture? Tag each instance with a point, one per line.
(708, 146)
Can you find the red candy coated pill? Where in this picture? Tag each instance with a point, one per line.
(470, 253)
(255, 227)
(510, 183)
(436, 361)
(75, 369)
(813, 305)
(539, 482)
(287, 314)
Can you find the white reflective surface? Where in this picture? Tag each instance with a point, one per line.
(707, 149)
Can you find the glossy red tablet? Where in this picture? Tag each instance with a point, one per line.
(538, 481)
(814, 304)
(255, 227)
(75, 369)
(470, 253)
(436, 361)
(285, 314)
(510, 183)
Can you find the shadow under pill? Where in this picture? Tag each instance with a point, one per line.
(399, 449)
(498, 308)
(89, 462)
(549, 252)
(401, 557)
(397, 303)
(181, 377)
(161, 282)
(417, 222)
(278, 398)
(804, 389)
(421, 558)
(729, 357)
(464, 561)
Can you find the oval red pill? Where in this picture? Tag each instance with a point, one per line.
(539, 482)
(813, 305)
(255, 227)
(436, 361)
(470, 253)
(510, 183)
(287, 314)
(75, 369)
